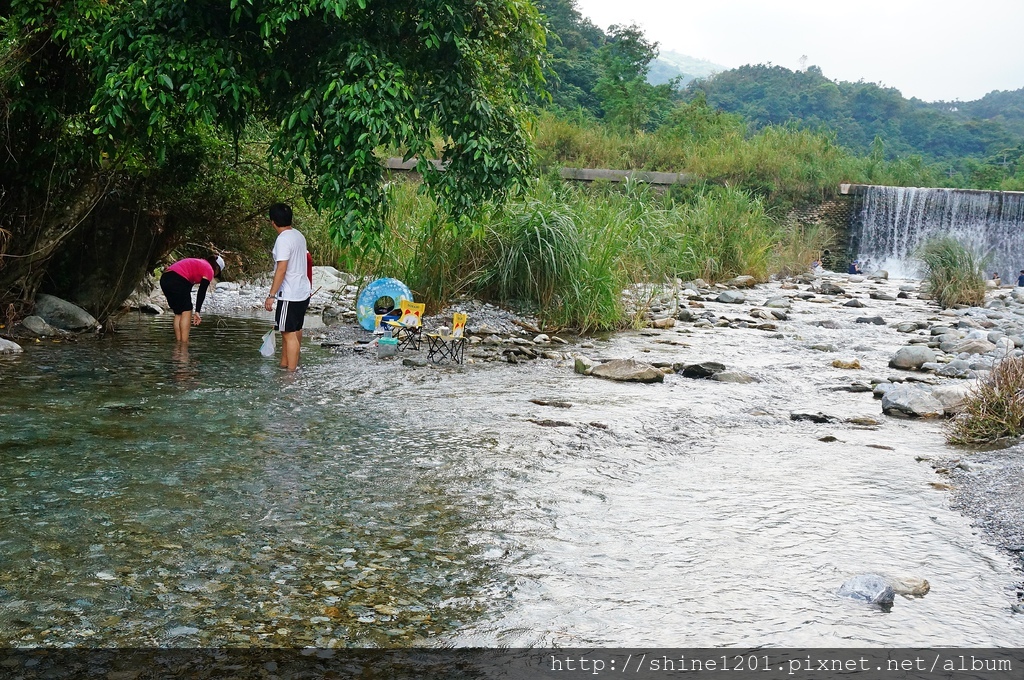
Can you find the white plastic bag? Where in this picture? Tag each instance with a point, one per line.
(268, 346)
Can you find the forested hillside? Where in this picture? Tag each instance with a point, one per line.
(608, 77)
(859, 113)
(1003, 106)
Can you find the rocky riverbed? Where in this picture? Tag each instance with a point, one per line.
(866, 351)
(874, 335)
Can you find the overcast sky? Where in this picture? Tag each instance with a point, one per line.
(932, 50)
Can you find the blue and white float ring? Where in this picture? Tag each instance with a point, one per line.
(381, 288)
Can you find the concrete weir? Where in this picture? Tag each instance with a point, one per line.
(888, 225)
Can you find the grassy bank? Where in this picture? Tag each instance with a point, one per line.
(568, 251)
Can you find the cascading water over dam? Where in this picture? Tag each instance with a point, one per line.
(889, 225)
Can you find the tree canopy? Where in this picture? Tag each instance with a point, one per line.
(94, 88)
(857, 113)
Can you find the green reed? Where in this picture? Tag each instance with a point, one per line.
(954, 273)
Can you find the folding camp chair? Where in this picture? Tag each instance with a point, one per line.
(408, 326)
(444, 347)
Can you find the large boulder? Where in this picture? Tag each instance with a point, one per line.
(952, 396)
(911, 401)
(64, 315)
(912, 357)
(628, 370)
(330, 279)
(8, 347)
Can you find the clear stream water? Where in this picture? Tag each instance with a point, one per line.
(150, 496)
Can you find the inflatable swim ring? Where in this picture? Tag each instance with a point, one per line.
(392, 288)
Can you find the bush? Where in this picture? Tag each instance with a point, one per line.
(994, 409)
(954, 273)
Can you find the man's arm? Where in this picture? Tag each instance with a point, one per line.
(275, 287)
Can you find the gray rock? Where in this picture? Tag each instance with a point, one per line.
(64, 315)
(37, 326)
(731, 297)
(820, 418)
(854, 303)
(912, 357)
(704, 369)
(584, 365)
(414, 362)
(973, 347)
(332, 314)
(880, 274)
(882, 296)
(829, 288)
(667, 322)
(870, 588)
(876, 320)
(628, 370)
(742, 282)
(881, 388)
(911, 401)
(8, 347)
(957, 368)
(823, 347)
(951, 396)
(779, 302)
(907, 327)
(738, 377)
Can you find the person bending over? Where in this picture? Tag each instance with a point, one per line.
(176, 282)
(291, 288)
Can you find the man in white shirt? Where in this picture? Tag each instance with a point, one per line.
(291, 287)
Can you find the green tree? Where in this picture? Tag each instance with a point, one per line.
(629, 101)
(92, 89)
(573, 42)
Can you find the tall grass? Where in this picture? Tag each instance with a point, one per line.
(722, 233)
(569, 251)
(954, 273)
(994, 408)
(786, 165)
(798, 245)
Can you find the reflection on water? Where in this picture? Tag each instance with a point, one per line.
(200, 496)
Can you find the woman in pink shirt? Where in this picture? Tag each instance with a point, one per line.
(176, 283)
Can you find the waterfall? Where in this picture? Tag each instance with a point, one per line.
(893, 222)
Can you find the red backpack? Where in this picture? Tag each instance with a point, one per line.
(309, 267)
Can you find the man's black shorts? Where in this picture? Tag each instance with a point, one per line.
(293, 313)
(178, 292)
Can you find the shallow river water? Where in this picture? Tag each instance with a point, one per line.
(150, 496)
